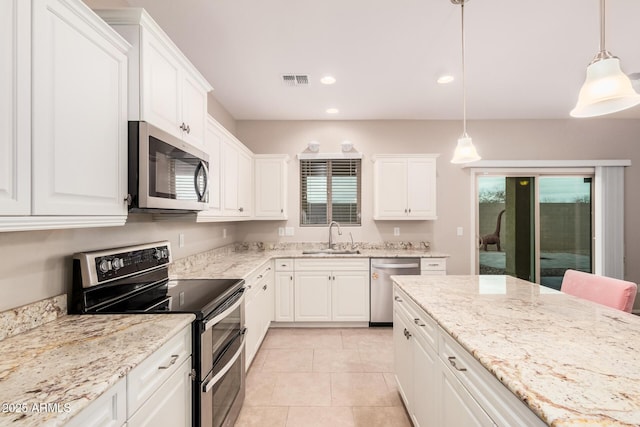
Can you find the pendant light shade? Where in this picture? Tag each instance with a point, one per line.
(465, 151)
(606, 89)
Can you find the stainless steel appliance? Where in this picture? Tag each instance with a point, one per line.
(381, 287)
(165, 172)
(135, 280)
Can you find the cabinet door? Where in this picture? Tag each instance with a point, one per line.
(194, 111)
(170, 405)
(421, 190)
(108, 410)
(161, 102)
(230, 178)
(403, 357)
(15, 107)
(312, 296)
(252, 323)
(245, 184)
(284, 297)
(79, 116)
(390, 188)
(213, 147)
(350, 296)
(425, 381)
(459, 408)
(270, 188)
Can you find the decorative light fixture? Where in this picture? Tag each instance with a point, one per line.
(328, 80)
(313, 146)
(606, 89)
(347, 146)
(332, 111)
(465, 150)
(445, 79)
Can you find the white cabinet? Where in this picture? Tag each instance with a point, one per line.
(165, 88)
(157, 392)
(331, 290)
(237, 179)
(433, 266)
(270, 189)
(284, 290)
(259, 312)
(441, 383)
(108, 410)
(404, 187)
(15, 107)
(213, 141)
(170, 405)
(63, 153)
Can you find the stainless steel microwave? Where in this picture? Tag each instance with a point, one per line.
(165, 172)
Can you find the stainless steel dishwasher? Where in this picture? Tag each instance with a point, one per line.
(381, 287)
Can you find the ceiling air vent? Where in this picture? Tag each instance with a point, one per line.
(295, 79)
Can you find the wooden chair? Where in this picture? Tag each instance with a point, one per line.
(611, 292)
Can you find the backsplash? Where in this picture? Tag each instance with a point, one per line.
(22, 319)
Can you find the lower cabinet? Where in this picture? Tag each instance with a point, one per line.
(157, 392)
(284, 296)
(258, 309)
(441, 384)
(331, 290)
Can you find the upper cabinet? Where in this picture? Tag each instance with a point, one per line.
(165, 88)
(63, 153)
(270, 189)
(404, 187)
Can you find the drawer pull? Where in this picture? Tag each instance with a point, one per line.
(418, 322)
(397, 298)
(264, 288)
(259, 277)
(174, 359)
(452, 360)
(433, 265)
(407, 334)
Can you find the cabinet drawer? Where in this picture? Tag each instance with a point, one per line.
(108, 410)
(284, 264)
(342, 264)
(257, 279)
(423, 324)
(144, 379)
(433, 264)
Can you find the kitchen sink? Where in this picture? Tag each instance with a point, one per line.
(331, 252)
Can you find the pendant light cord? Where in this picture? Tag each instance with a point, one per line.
(464, 84)
(602, 25)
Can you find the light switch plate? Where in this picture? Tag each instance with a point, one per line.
(288, 231)
(280, 231)
(459, 231)
(396, 231)
(181, 240)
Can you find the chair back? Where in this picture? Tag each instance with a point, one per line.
(608, 291)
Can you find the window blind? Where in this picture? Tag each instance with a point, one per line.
(330, 191)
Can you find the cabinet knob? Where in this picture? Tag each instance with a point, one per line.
(405, 211)
(281, 210)
(183, 127)
(241, 209)
(264, 288)
(409, 210)
(188, 129)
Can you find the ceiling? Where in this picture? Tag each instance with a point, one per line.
(524, 59)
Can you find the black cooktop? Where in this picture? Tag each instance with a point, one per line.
(200, 296)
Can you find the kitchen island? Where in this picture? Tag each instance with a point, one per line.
(570, 361)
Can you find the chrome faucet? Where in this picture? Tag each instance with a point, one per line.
(330, 236)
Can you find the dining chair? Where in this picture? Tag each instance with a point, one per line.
(604, 290)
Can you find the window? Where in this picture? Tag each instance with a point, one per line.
(330, 191)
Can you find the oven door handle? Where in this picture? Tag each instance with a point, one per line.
(208, 386)
(209, 323)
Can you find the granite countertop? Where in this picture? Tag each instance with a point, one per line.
(227, 264)
(573, 362)
(70, 361)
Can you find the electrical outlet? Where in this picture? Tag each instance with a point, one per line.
(288, 231)
(181, 240)
(280, 231)
(459, 231)
(396, 231)
(224, 233)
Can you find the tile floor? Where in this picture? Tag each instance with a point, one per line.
(323, 377)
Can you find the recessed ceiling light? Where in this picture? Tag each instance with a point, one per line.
(445, 78)
(332, 111)
(328, 80)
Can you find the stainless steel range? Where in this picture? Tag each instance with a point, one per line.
(135, 280)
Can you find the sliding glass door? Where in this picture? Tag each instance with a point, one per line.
(534, 227)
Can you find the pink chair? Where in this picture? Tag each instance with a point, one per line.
(614, 293)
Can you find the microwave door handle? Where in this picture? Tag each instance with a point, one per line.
(205, 169)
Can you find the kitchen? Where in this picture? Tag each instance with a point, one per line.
(36, 264)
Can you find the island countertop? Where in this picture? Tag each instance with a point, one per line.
(573, 362)
(69, 362)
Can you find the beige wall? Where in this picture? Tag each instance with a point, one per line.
(220, 113)
(496, 140)
(37, 264)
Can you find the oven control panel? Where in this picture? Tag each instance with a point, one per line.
(102, 266)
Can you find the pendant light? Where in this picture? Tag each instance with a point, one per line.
(465, 150)
(606, 89)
